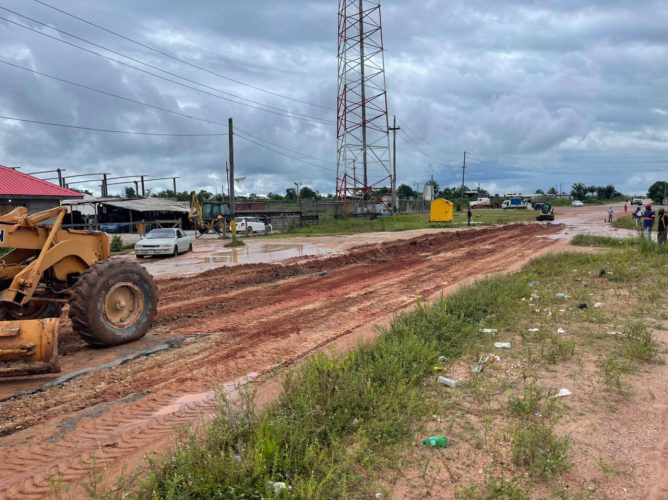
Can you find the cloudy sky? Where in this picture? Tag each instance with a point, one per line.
(538, 92)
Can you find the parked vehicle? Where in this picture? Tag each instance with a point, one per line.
(250, 225)
(481, 203)
(637, 201)
(169, 241)
(116, 228)
(516, 203)
(577, 203)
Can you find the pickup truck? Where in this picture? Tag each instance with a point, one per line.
(481, 203)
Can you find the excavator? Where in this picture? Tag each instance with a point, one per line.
(44, 267)
(208, 216)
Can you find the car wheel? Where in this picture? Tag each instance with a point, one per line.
(176, 251)
(249, 231)
(139, 256)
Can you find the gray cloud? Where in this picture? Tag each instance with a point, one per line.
(540, 92)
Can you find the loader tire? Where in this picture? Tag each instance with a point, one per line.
(113, 302)
(32, 310)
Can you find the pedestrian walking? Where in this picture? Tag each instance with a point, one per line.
(610, 215)
(663, 227)
(469, 215)
(648, 222)
(626, 207)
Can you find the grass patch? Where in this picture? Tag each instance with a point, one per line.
(589, 240)
(494, 489)
(116, 243)
(639, 343)
(625, 222)
(538, 448)
(352, 225)
(534, 404)
(235, 243)
(613, 369)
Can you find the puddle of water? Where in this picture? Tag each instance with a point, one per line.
(264, 253)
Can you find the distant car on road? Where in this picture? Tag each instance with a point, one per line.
(250, 225)
(168, 241)
(577, 203)
(637, 201)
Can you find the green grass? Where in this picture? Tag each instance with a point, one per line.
(353, 225)
(234, 243)
(116, 243)
(625, 222)
(344, 422)
(537, 447)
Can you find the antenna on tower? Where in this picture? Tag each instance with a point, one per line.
(363, 140)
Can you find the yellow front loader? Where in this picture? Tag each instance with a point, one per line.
(43, 267)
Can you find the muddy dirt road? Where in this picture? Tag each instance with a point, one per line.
(222, 327)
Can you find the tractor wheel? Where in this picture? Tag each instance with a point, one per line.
(32, 310)
(113, 302)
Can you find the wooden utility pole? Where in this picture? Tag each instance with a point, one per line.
(395, 197)
(463, 176)
(230, 130)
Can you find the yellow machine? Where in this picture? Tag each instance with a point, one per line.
(44, 267)
(209, 216)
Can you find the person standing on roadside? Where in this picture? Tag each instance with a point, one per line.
(648, 222)
(626, 207)
(469, 216)
(663, 227)
(638, 216)
(610, 215)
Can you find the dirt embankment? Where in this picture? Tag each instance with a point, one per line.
(237, 322)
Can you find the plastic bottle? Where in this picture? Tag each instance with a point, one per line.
(447, 381)
(435, 442)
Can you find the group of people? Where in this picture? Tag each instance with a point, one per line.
(646, 218)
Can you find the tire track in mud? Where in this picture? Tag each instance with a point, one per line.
(262, 315)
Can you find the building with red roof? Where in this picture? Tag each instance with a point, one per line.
(19, 189)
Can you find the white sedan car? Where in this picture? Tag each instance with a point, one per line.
(250, 225)
(163, 242)
(577, 203)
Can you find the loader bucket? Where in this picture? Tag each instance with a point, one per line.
(28, 347)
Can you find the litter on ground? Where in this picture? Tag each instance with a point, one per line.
(484, 360)
(563, 393)
(598, 305)
(534, 330)
(448, 382)
(489, 330)
(561, 331)
(502, 345)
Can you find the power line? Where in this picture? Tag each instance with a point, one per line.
(110, 131)
(272, 110)
(182, 60)
(284, 154)
(427, 142)
(110, 94)
(160, 108)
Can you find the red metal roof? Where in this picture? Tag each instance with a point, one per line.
(15, 183)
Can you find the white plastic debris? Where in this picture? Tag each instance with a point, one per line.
(561, 296)
(237, 458)
(378, 495)
(534, 283)
(278, 486)
(598, 305)
(534, 296)
(490, 331)
(442, 359)
(502, 345)
(448, 382)
(561, 331)
(563, 393)
(534, 330)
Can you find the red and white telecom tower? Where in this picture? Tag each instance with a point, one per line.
(363, 141)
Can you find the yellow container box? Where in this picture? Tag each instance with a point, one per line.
(441, 211)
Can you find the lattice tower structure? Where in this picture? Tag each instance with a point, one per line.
(363, 140)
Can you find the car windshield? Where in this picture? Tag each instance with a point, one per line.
(160, 233)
